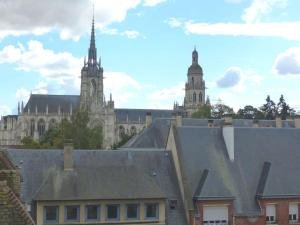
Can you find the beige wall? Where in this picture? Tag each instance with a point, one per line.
(122, 203)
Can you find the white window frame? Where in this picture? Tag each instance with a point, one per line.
(293, 212)
(270, 213)
(215, 221)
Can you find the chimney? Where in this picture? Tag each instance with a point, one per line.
(210, 123)
(278, 122)
(297, 122)
(68, 156)
(228, 136)
(148, 119)
(228, 120)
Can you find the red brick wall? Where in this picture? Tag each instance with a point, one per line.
(282, 212)
(282, 208)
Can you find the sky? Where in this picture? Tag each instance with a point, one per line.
(248, 49)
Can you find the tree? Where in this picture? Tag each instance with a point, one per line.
(77, 129)
(283, 109)
(269, 109)
(250, 112)
(219, 110)
(203, 112)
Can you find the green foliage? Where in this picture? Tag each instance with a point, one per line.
(77, 129)
(220, 110)
(249, 112)
(203, 112)
(283, 109)
(269, 109)
(28, 142)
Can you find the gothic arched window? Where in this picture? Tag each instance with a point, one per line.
(41, 127)
(93, 87)
(200, 97)
(194, 97)
(32, 127)
(193, 83)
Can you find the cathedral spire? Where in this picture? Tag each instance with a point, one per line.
(195, 56)
(92, 60)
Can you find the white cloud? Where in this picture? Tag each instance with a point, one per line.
(152, 3)
(286, 30)
(165, 97)
(23, 94)
(70, 18)
(121, 85)
(132, 34)
(62, 67)
(260, 8)
(288, 62)
(174, 22)
(5, 110)
(231, 78)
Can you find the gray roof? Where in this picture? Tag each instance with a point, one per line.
(153, 137)
(134, 115)
(53, 102)
(211, 175)
(119, 174)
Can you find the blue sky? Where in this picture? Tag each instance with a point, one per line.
(248, 49)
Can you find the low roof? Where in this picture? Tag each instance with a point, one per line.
(100, 174)
(136, 115)
(211, 174)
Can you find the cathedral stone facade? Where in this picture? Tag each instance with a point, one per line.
(44, 111)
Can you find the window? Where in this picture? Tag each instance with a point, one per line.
(72, 213)
(51, 214)
(112, 212)
(32, 127)
(213, 215)
(41, 127)
(200, 97)
(194, 97)
(92, 212)
(270, 214)
(132, 211)
(151, 211)
(293, 213)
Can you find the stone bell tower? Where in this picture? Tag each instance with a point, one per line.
(195, 86)
(91, 91)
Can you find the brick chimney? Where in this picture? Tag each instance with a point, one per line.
(148, 119)
(68, 156)
(210, 123)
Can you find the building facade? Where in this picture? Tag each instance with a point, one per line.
(43, 111)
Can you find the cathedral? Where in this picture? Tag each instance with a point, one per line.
(42, 112)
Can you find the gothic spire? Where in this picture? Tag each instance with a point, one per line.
(93, 50)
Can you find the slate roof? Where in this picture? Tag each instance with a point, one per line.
(155, 136)
(53, 101)
(136, 114)
(118, 174)
(211, 175)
